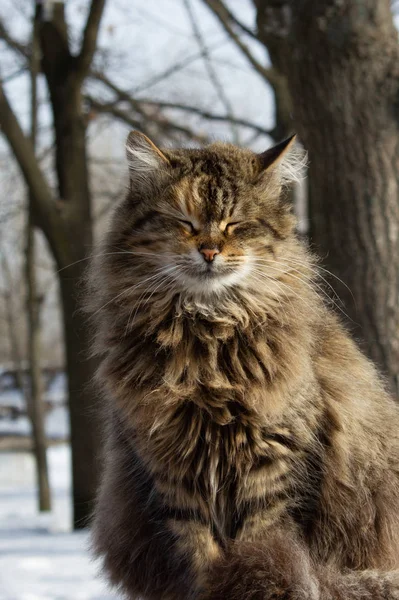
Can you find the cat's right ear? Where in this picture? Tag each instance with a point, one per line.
(146, 162)
(283, 164)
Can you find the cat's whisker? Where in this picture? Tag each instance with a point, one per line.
(90, 257)
(320, 268)
(323, 291)
(290, 289)
(316, 268)
(288, 272)
(165, 275)
(156, 277)
(169, 275)
(127, 290)
(161, 271)
(262, 278)
(136, 305)
(276, 297)
(127, 252)
(113, 299)
(154, 285)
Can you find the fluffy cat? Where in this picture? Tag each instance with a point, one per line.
(252, 451)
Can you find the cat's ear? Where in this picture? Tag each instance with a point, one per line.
(146, 161)
(285, 161)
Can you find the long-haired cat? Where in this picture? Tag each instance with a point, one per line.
(252, 451)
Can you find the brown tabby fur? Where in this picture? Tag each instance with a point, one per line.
(252, 452)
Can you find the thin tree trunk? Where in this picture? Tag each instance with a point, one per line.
(342, 64)
(15, 350)
(36, 406)
(34, 302)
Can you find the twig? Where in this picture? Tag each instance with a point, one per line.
(213, 77)
(90, 36)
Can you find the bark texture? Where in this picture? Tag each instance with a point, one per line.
(341, 59)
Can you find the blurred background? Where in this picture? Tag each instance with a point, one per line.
(75, 77)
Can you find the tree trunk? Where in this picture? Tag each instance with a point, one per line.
(35, 405)
(83, 404)
(15, 350)
(72, 249)
(72, 174)
(34, 301)
(342, 64)
(66, 221)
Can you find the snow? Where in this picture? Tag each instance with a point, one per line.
(56, 424)
(40, 558)
(12, 397)
(57, 389)
(56, 417)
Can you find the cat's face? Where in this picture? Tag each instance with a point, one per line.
(201, 221)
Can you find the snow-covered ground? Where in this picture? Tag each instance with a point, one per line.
(56, 424)
(40, 559)
(56, 419)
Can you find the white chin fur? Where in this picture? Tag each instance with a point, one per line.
(215, 284)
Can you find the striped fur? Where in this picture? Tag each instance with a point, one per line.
(252, 451)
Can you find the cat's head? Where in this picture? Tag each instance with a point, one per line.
(202, 221)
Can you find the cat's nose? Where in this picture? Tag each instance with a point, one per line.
(209, 253)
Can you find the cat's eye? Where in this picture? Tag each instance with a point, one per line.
(230, 227)
(188, 226)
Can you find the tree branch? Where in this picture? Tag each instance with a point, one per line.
(208, 115)
(44, 205)
(240, 25)
(161, 122)
(272, 75)
(224, 17)
(54, 42)
(90, 36)
(179, 66)
(139, 107)
(120, 93)
(19, 48)
(13, 75)
(213, 76)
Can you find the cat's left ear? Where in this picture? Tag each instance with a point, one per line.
(147, 163)
(285, 160)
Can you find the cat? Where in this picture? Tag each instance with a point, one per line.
(251, 449)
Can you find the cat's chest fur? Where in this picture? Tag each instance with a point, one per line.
(217, 462)
(200, 396)
(204, 431)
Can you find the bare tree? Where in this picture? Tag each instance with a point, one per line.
(65, 218)
(34, 303)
